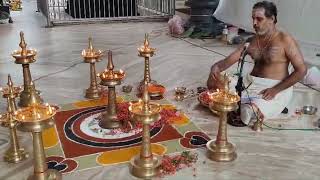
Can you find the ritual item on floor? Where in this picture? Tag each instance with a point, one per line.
(204, 100)
(14, 153)
(147, 164)
(222, 101)
(92, 56)
(110, 78)
(35, 119)
(126, 89)
(155, 90)
(25, 56)
(180, 93)
(201, 89)
(309, 110)
(257, 126)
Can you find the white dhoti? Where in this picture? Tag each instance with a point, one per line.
(269, 109)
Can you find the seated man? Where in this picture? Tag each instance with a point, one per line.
(269, 82)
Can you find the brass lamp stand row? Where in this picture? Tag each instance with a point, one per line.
(34, 117)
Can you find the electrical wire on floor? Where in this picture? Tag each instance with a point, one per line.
(57, 72)
(197, 45)
(309, 86)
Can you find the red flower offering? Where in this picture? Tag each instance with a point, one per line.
(171, 164)
(124, 116)
(204, 98)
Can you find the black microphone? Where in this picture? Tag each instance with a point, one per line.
(244, 51)
(243, 55)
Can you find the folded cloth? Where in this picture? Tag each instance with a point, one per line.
(269, 109)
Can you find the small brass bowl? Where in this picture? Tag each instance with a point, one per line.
(310, 110)
(180, 90)
(127, 88)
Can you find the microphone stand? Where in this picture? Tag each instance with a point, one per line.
(239, 87)
(236, 119)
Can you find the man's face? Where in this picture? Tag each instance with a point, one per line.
(260, 22)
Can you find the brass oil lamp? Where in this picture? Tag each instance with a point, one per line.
(223, 101)
(92, 56)
(154, 89)
(35, 119)
(146, 165)
(14, 153)
(25, 56)
(110, 78)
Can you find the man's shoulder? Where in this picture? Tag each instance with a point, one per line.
(286, 37)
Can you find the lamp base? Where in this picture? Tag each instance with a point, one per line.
(12, 156)
(221, 153)
(50, 174)
(109, 121)
(145, 168)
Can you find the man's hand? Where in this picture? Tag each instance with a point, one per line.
(269, 93)
(215, 77)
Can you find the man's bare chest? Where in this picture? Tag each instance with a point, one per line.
(274, 53)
